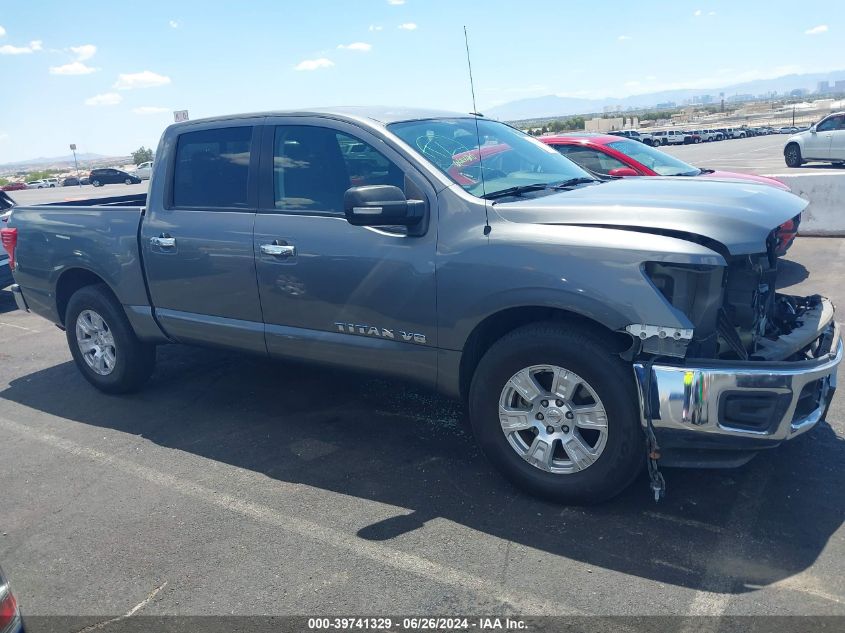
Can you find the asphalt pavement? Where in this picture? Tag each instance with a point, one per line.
(755, 155)
(236, 485)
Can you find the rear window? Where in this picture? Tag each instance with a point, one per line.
(212, 168)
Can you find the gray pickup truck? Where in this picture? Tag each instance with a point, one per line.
(593, 327)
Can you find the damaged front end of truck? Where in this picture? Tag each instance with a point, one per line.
(755, 367)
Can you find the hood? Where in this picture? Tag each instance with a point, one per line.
(732, 175)
(738, 215)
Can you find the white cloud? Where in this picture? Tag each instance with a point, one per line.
(395, 2)
(2, 31)
(3, 135)
(711, 13)
(817, 30)
(697, 12)
(33, 46)
(173, 24)
(314, 64)
(144, 79)
(408, 26)
(362, 47)
(150, 110)
(74, 68)
(624, 38)
(375, 27)
(86, 51)
(107, 99)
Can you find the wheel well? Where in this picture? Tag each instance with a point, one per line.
(790, 144)
(71, 281)
(499, 324)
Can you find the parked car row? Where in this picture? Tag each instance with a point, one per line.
(97, 177)
(688, 137)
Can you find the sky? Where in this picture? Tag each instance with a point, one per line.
(108, 76)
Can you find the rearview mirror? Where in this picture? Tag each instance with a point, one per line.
(620, 172)
(381, 205)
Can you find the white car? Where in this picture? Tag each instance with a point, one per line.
(52, 182)
(824, 141)
(144, 170)
(37, 184)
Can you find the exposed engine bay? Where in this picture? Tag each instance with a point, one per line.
(736, 312)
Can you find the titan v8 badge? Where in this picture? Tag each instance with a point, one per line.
(380, 332)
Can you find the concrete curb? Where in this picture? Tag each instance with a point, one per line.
(825, 216)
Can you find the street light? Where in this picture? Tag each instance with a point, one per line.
(73, 149)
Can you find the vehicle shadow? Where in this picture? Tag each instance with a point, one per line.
(790, 273)
(389, 442)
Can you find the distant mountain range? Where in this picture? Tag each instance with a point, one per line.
(553, 105)
(82, 156)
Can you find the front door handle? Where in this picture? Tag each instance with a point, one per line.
(283, 251)
(163, 241)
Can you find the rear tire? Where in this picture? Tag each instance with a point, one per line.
(792, 155)
(103, 344)
(128, 181)
(570, 468)
(96, 183)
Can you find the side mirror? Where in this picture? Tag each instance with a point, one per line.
(812, 129)
(381, 205)
(621, 172)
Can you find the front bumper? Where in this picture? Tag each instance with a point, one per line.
(739, 405)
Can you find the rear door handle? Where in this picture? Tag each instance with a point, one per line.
(282, 251)
(163, 241)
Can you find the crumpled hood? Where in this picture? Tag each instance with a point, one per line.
(736, 214)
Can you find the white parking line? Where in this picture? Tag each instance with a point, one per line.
(20, 327)
(402, 561)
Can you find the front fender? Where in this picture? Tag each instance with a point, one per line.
(594, 272)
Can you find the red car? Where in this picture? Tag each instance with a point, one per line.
(608, 156)
(14, 186)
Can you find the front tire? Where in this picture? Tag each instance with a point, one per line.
(103, 344)
(792, 155)
(96, 183)
(128, 181)
(555, 410)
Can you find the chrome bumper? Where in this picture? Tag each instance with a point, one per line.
(741, 404)
(18, 294)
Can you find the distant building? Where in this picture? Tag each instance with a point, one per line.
(799, 92)
(823, 87)
(665, 105)
(839, 85)
(601, 125)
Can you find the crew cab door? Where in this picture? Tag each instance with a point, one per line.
(332, 292)
(818, 142)
(196, 238)
(837, 138)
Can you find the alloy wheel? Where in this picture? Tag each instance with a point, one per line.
(553, 419)
(96, 342)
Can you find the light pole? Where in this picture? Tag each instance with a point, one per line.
(78, 180)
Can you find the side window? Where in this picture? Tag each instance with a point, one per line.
(314, 166)
(212, 168)
(590, 159)
(833, 123)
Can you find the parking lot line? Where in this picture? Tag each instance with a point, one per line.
(373, 551)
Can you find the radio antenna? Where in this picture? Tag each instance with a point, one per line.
(475, 115)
